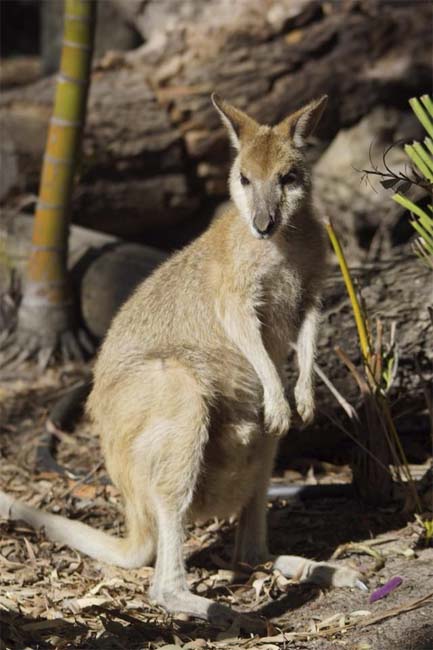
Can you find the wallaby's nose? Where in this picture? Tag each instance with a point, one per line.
(264, 224)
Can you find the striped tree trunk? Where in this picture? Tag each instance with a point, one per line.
(46, 312)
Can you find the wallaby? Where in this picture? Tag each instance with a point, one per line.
(188, 392)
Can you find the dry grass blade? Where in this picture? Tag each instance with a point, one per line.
(362, 384)
(352, 547)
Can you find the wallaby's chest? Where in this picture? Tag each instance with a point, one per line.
(282, 304)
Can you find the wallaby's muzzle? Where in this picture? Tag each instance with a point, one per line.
(264, 224)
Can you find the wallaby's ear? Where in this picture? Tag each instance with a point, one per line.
(298, 126)
(238, 124)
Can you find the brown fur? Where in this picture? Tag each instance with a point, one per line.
(188, 392)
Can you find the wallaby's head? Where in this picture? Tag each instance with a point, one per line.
(270, 179)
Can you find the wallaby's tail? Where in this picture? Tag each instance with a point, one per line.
(79, 536)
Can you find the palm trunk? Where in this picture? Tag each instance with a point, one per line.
(47, 312)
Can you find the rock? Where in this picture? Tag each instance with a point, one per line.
(110, 280)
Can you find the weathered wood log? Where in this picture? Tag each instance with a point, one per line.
(154, 151)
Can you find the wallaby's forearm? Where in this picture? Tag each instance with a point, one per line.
(306, 350)
(242, 327)
(307, 338)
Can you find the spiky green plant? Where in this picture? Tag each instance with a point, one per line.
(375, 430)
(421, 156)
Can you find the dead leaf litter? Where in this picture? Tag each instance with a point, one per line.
(53, 597)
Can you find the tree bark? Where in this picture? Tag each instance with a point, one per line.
(155, 155)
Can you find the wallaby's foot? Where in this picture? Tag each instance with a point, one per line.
(278, 415)
(184, 602)
(324, 574)
(304, 397)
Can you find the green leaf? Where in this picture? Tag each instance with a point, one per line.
(425, 157)
(421, 114)
(428, 103)
(427, 241)
(419, 248)
(411, 151)
(408, 204)
(429, 144)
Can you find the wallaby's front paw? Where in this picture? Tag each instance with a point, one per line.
(304, 403)
(278, 416)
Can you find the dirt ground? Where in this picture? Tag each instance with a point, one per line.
(52, 597)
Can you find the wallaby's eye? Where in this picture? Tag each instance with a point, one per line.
(244, 180)
(289, 178)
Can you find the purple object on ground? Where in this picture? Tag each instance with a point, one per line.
(386, 589)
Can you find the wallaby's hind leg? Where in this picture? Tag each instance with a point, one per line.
(141, 540)
(251, 544)
(167, 459)
(251, 541)
(170, 587)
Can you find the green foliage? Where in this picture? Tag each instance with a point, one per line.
(374, 380)
(421, 157)
(379, 361)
